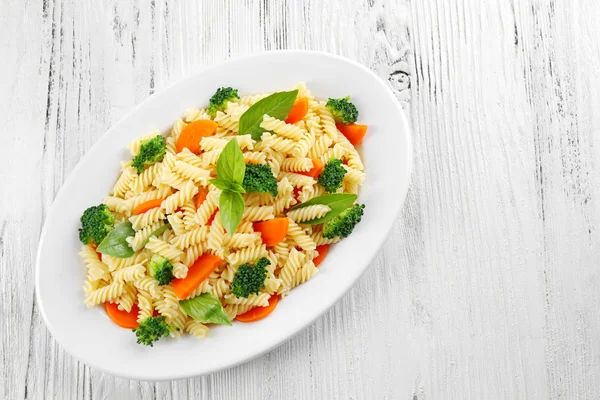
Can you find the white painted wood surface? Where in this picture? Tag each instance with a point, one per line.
(488, 285)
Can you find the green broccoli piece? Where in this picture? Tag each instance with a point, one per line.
(332, 175)
(219, 100)
(342, 110)
(259, 178)
(343, 223)
(150, 330)
(152, 151)
(96, 222)
(161, 269)
(250, 279)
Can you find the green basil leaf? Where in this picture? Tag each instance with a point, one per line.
(205, 308)
(231, 209)
(114, 244)
(221, 184)
(156, 233)
(338, 202)
(230, 165)
(237, 188)
(278, 105)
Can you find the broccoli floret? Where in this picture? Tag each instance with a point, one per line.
(250, 279)
(150, 330)
(161, 269)
(259, 178)
(219, 100)
(151, 151)
(332, 175)
(343, 110)
(96, 222)
(343, 223)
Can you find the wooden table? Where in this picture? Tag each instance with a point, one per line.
(487, 286)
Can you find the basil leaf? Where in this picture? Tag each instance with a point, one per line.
(156, 233)
(205, 308)
(277, 105)
(230, 165)
(221, 184)
(231, 209)
(237, 188)
(338, 202)
(114, 244)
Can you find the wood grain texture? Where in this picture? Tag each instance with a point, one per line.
(488, 285)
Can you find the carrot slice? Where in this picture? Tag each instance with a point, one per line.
(322, 250)
(200, 197)
(272, 231)
(212, 218)
(353, 132)
(197, 273)
(147, 205)
(256, 313)
(192, 133)
(123, 318)
(298, 111)
(315, 171)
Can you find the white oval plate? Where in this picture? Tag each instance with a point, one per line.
(92, 338)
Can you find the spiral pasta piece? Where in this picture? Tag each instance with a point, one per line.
(191, 238)
(246, 255)
(309, 213)
(164, 249)
(150, 217)
(187, 171)
(320, 147)
(196, 328)
(286, 131)
(195, 114)
(124, 182)
(240, 240)
(319, 240)
(298, 180)
(143, 181)
(107, 293)
(125, 302)
(96, 269)
(191, 254)
(145, 305)
(129, 274)
(304, 145)
(176, 221)
(177, 128)
(220, 288)
(254, 300)
(233, 310)
(189, 158)
(148, 284)
(297, 164)
(216, 236)
(180, 198)
(305, 273)
(258, 213)
(300, 237)
(288, 272)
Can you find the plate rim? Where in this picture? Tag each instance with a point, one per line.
(285, 337)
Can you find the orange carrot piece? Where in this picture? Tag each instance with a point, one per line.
(298, 111)
(212, 218)
(147, 205)
(322, 250)
(256, 313)
(197, 273)
(353, 132)
(123, 318)
(315, 171)
(272, 231)
(200, 197)
(192, 133)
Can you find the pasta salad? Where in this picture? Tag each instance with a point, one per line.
(224, 215)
